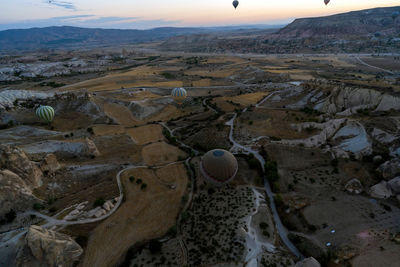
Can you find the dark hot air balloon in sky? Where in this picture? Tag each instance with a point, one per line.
(235, 4)
(326, 1)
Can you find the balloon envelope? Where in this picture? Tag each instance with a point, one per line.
(179, 95)
(326, 1)
(45, 113)
(219, 166)
(235, 4)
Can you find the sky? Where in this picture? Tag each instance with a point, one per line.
(144, 14)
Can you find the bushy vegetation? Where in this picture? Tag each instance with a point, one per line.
(38, 206)
(8, 217)
(99, 202)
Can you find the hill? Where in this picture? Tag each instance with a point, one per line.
(75, 37)
(368, 31)
(66, 36)
(377, 21)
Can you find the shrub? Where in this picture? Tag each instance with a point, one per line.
(180, 158)
(168, 75)
(254, 164)
(53, 209)
(266, 233)
(131, 179)
(172, 231)
(37, 206)
(263, 225)
(274, 138)
(99, 202)
(155, 246)
(8, 217)
(144, 186)
(81, 240)
(271, 171)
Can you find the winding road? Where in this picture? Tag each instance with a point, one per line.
(52, 221)
(283, 233)
(374, 67)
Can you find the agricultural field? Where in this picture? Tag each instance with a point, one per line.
(117, 172)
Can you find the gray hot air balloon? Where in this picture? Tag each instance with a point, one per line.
(219, 166)
(326, 1)
(235, 4)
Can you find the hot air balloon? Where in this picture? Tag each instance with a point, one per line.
(45, 113)
(235, 4)
(326, 1)
(219, 166)
(179, 95)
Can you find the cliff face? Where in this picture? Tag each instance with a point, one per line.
(48, 248)
(378, 21)
(368, 31)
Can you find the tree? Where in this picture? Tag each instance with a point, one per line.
(155, 246)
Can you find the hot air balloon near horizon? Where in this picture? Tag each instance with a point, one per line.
(45, 113)
(326, 2)
(179, 95)
(235, 4)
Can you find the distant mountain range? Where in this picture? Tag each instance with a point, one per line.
(72, 37)
(370, 31)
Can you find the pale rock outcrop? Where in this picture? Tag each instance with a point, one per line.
(91, 148)
(394, 184)
(347, 101)
(349, 134)
(7, 97)
(48, 248)
(97, 212)
(381, 190)
(341, 99)
(395, 151)
(388, 102)
(15, 160)
(355, 139)
(308, 262)
(390, 169)
(328, 129)
(108, 205)
(354, 186)
(382, 136)
(15, 194)
(50, 164)
(62, 149)
(23, 133)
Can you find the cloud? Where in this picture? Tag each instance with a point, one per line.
(92, 21)
(63, 4)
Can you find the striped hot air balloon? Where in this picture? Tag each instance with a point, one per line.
(179, 95)
(45, 113)
(219, 166)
